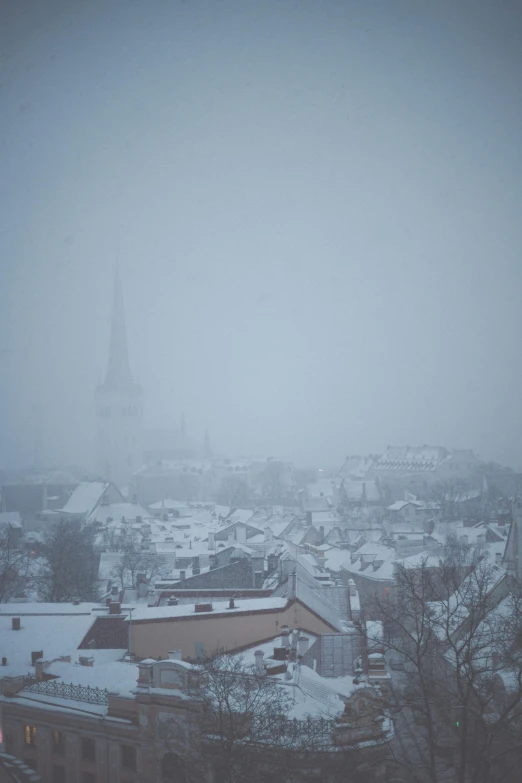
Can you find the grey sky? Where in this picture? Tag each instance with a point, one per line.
(315, 208)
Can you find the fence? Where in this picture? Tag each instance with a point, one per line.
(64, 690)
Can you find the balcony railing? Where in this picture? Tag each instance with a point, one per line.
(63, 690)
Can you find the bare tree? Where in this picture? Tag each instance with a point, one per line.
(135, 560)
(70, 564)
(458, 704)
(452, 499)
(14, 563)
(242, 730)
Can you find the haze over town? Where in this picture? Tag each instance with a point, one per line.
(260, 373)
(314, 210)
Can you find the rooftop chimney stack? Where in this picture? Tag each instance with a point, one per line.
(260, 666)
(285, 636)
(302, 646)
(15, 623)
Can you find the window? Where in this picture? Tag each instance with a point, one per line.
(8, 742)
(58, 773)
(88, 749)
(88, 777)
(29, 735)
(128, 757)
(58, 743)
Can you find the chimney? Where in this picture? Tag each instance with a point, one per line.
(202, 607)
(302, 645)
(115, 590)
(143, 586)
(260, 666)
(175, 655)
(114, 607)
(211, 541)
(15, 623)
(35, 656)
(39, 667)
(231, 604)
(321, 533)
(285, 636)
(352, 587)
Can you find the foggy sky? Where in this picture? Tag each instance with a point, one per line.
(315, 209)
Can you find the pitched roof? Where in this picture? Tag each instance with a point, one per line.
(85, 497)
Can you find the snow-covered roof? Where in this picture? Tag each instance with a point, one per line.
(10, 518)
(85, 497)
(250, 605)
(374, 561)
(240, 515)
(399, 505)
(117, 511)
(169, 503)
(114, 675)
(419, 560)
(55, 634)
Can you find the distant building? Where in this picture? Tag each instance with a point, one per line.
(416, 468)
(119, 407)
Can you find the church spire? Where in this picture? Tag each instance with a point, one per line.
(118, 369)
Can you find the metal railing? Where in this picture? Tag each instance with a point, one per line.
(63, 690)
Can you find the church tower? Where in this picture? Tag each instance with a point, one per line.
(119, 406)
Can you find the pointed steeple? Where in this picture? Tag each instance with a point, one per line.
(207, 449)
(118, 369)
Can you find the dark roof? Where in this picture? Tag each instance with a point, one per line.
(25, 498)
(235, 575)
(109, 632)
